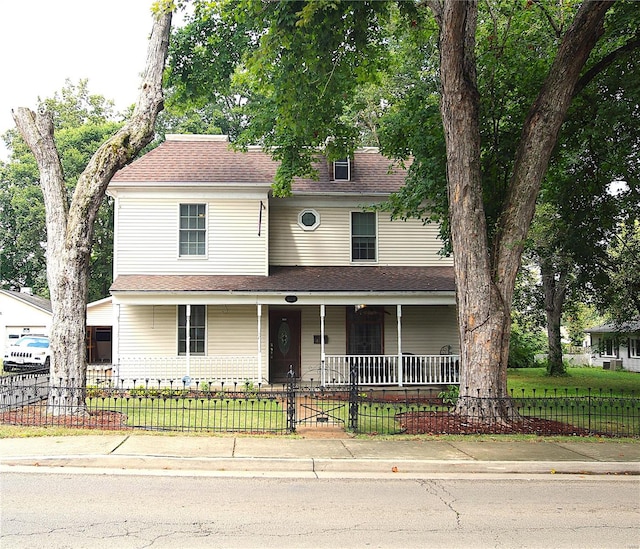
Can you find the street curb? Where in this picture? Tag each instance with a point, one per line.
(318, 465)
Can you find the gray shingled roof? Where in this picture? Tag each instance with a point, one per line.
(33, 300)
(627, 328)
(203, 159)
(300, 279)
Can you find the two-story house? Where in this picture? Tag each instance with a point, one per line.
(217, 280)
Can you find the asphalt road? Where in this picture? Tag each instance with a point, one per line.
(63, 510)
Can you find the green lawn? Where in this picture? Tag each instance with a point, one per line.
(250, 415)
(577, 381)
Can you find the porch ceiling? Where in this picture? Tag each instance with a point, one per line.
(287, 280)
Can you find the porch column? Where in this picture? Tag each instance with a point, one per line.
(322, 352)
(259, 343)
(400, 372)
(188, 349)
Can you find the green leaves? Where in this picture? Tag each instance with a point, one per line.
(83, 121)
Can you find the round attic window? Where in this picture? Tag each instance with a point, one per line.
(308, 220)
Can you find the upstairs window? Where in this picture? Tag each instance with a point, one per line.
(342, 170)
(363, 236)
(197, 328)
(193, 230)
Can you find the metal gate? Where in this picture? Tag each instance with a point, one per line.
(322, 406)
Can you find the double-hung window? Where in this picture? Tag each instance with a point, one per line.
(193, 230)
(363, 236)
(608, 347)
(195, 316)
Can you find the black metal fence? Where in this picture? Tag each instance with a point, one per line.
(247, 408)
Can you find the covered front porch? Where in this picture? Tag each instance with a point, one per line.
(400, 331)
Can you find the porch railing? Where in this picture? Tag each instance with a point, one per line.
(235, 368)
(384, 370)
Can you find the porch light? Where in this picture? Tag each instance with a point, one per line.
(291, 298)
(358, 307)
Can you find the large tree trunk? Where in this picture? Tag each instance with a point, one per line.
(555, 291)
(485, 274)
(70, 227)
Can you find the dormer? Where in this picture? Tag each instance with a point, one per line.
(342, 169)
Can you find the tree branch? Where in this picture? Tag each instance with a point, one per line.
(437, 8)
(605, 62)
(556, 29)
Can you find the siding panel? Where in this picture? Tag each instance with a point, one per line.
(399, 242)
(147, 238)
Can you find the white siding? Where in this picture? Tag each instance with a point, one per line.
(100, 314)
(18, 318)
(152, 330)
(425, 330)
(233, 330)
(147, 237)
(399, 242)
(409, 243)
(622, 355)
(328, 244)
(148, 330)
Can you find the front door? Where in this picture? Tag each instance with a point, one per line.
(284, 344)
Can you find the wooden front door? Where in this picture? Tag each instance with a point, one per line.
(284, 344)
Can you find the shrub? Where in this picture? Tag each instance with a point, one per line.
(523, 347)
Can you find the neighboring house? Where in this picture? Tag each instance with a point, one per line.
(616, 348)
(217, 280)
(22, 313)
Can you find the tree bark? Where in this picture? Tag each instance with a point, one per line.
(485, 276)
(70, 227)
(555, 291)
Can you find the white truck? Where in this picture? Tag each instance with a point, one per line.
(30, 352)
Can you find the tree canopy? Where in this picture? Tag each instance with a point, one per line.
(82, 121)
(474, 94)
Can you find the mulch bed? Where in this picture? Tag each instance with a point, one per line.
(449, 423)
(36, 416)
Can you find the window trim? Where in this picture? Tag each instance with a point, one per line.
(178, 328)
(199, 257)
(308, 227)
(633, 347)
(342, 163)
(604, 343)
(352, 236)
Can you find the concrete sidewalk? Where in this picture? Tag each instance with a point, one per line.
(285, 455)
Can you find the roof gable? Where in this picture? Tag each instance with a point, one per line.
(30, 299)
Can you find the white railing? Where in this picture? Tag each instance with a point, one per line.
(218, 369)
(383, 369)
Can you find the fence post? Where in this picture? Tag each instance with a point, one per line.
(353, 398)
(291, 401)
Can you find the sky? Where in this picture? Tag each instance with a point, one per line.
(45, 42)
